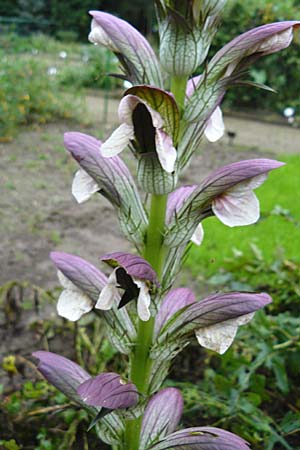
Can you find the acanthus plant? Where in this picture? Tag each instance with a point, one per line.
(163, 118)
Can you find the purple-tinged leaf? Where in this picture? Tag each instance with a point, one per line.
(175, 300)
(85, 150)
(212, 310)
(192, 85)
(107, 390)
(134, 52)
(161, 416)
(134, 265)
(62, 373)
(80, 272)
(177, 199)
(114, 180)
(257, 42)
(232, 184)
(202, 438)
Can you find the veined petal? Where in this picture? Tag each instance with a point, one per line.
(192, 85)
(236, 209)
(100, 37)
(177, 199)
(62, 373)
(212, 194)
(175, 300)
(108, 390)
(202, 438)
(79, 274)
(143, 301)
(134, 52)
(114, 180)
(66, 282)
(126, 107)
(215, 128)
(259, 41)
(161, 416)
(118, 141)
(220, 336)
(73, 304)
(198, 235)
(107, 297)
(128, 104)
(83, 186)
(250, 184)
(166, 152)
(108, 294)
(135, 266)
(215, 309)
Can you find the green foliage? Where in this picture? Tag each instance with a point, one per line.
(279, 71)
(252, 389)
(37, 68)
(72, 16)
(9, 445)
(28, 95)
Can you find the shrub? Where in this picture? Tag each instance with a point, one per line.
(28, 94)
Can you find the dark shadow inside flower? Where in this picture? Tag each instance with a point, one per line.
(143, 129)
(125, 282)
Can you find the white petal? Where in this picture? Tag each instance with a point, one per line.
(220, 336)
(99, 37)
(157, 120)
(107, 297)
(108, 294)
(83, 186)
(72, 304)
(250, 184)
(215, 127)
(277, 41)
(235, 209)
(143, 301)
(127, 106)
(198, 235)
(65, 282)
(118, 141)
(165, 151)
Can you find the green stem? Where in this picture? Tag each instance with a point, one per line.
(141, 363)
(178, 88)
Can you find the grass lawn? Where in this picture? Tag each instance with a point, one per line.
(275, 236)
